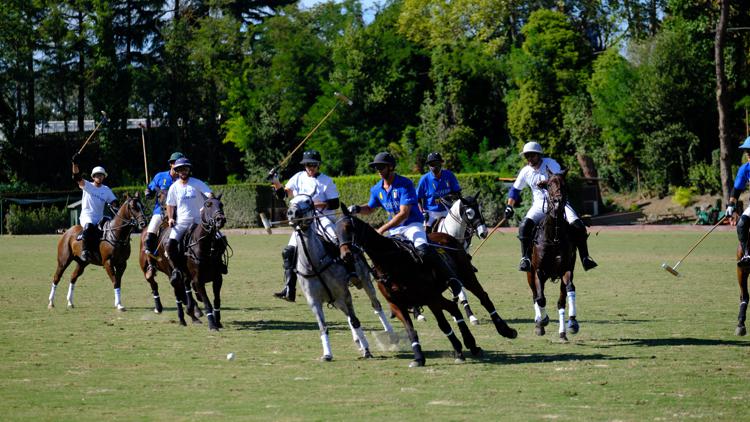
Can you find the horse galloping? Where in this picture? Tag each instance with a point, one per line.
(112, 254)
(553, 256)
(405, 283)
(323, 276)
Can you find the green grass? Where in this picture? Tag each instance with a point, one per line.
(651, 346)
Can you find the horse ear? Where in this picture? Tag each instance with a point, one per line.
(345, 210)
(476, 195)
(563, 172)
(218, 197)
(549, 172)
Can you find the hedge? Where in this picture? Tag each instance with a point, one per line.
(243, 202)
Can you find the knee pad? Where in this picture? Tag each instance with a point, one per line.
(288, 255)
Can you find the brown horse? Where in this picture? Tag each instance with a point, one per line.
(742, 275)
(407, 283)
(112, 254)
(205, 249)
(182, 292)
(553, 257)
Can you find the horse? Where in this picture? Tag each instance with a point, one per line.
(182, 292)
(206, 254)
(323, 276)
(113, 251)
(464, 219)
(405, 282)
(742, 275)
(553, 257)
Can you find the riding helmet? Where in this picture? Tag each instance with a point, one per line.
(175, 156)
(310, 157)
(383, 158)
(98, 170)
(182, 162)
(434, 157)
(531, 147)
(746, 144)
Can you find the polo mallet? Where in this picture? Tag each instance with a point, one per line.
(143, 141)
(267, 224)
(497, 226)
(673, 270)
(341, 99)
(104, 120)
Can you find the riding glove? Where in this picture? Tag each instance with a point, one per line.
(730, 210)
(355, 209)
(509, 211)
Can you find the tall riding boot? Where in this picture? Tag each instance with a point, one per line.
(173, 252)
(444, 271)
(289, 255)
(149, 245)
(352, 272)
(742, 233)
(581, 242)
(525, 233)
(87, 244)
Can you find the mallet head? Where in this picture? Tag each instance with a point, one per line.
(669, 269)
(266, 223)
(343, 98)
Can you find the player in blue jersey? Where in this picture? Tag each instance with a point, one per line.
(433, 187)
(160, 184)
(397, 196)
(743, 224)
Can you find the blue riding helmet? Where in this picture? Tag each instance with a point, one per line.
(182, 162)
(746, 144)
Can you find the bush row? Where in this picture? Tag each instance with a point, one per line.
(243, 202)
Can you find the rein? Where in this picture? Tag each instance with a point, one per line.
(119, 239)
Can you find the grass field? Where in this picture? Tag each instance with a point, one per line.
(651, 346)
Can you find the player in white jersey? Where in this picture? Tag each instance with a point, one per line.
(185, 199)
(95, 196)
(321, 189)
(533, 173)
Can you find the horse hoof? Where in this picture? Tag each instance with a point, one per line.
(197, 313)
(70, 305)
(196, 321)
(477, 351)
(367, 354)
(509, 333)
(539, 330)
(121, 308)
(563, 338)
(219, 325)
(573, 326)
(474, 320)
(416, 363)
(421, 318)
(213, 330)
(459, 359)
(51, 306)
(545, 321)
(326, 358)
(183, 323)
(740, 331)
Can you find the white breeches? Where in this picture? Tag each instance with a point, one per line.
(153, 225)
(414, 232)
(179, 230)
(536, 212)
(434, 215)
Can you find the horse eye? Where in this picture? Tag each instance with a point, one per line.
(470, 213)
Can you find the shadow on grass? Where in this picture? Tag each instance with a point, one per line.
(581, 321)
(499, 358)
(688, 341)
(262, 325)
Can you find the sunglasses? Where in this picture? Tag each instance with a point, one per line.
(312, 165)
(379, 167)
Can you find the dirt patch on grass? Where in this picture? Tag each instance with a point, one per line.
(656, 209)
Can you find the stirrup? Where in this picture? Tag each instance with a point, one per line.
(85, 256)
(744, 262)
(588, 263)
(525, 265)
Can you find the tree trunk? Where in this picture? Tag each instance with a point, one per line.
(81, 111)
(589, 171)
(721, 100)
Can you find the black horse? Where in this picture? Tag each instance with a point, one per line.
(406, 282)
(554, 257)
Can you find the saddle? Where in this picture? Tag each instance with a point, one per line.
(409, 248)
(435, 225)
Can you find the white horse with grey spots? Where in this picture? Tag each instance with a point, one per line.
(322, 276)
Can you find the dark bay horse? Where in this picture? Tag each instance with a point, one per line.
(406, 283)
(183, 293)
(112, 254)
(553, 257)
(205, 250)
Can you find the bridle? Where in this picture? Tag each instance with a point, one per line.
(134, 208)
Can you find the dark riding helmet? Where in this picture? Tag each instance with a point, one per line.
(182, 162)
(383, 158)
(175, 156)
(746, 145)
(434, 157)
(311, 157)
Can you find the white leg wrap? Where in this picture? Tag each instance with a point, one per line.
(572, 304)
(52, 293)
(537, 312)
(561, 312)
(71, 288)
(117, 296)
(462, 295)
(384, 321)
(362, 339)
(326, 345)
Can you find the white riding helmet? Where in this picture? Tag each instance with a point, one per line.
(531, 147)
(98, 170)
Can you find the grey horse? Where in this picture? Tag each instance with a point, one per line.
(322, 277)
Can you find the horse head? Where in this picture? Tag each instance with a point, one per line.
(301, 211)
(132, 211)
(212, 214)
(557, 192)
(471, 212)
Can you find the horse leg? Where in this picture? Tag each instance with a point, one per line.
(445, 327)
(541, 319)
(377, 307)
(418, 314)
(570, 293)
(119, 270)
(561, 310)
(150, 277)
(500, 325)
(742, 274)
(217, 300)
(180, 297)
(469, 340)
(317, 310)
(465, 303)
(347, 307)
(62, 265)
(73, 278)
(200, 289)
(402, 314)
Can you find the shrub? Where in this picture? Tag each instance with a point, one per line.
(21, 220)
(683, 196)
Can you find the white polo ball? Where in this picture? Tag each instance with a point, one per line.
(230, 356)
